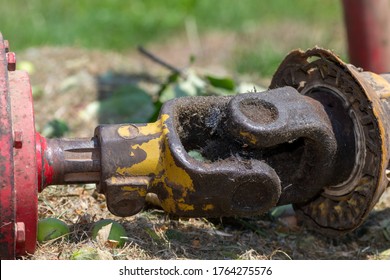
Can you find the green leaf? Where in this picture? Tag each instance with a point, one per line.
(192, 59)
(245, 87)
(37, 92)
(172, 234)
(224, 83)
(174, 91)
(385, 255)
(50, 229)
(90, 253)
(279, 211)
(85, 253)
(196, 155)
(55, 128)
(109, 233)
(229, 255)
(128, 104)
(191, 86)
(153, 235)
(157, 109)
(385, 224)
(197, 82)
(172, 78)
(26, 66)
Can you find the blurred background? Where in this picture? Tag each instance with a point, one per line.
(82, 55)
(256, 33)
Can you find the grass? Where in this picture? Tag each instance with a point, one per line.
(263, 50)
(119, 25)
(264, 60)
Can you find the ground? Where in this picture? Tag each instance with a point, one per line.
(67, 82)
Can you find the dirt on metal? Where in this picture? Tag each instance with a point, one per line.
(66, 92)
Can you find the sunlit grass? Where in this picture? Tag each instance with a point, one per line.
(118, 24)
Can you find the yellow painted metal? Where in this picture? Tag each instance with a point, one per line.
(249, 136)
(158, 164)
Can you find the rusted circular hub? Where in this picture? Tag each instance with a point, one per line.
(358, 111)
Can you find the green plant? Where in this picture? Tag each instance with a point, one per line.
(109, 232)
(51, 228)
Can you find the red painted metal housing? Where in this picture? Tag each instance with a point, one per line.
(7, 190)
(44, 168)
(18, 164)
(25, 165)
(368, 30)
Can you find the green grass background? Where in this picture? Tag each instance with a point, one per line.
(122, 24)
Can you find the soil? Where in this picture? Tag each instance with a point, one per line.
(66, 81)
(250, 109)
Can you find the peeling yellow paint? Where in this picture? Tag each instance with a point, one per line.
(185, 207)
(169, 205)
(129, 188)
(249, 136)
(128, 131)
(338, 209)
(152, 148)
(152, 162)
(322, 208)
(352, 202)
(208, 207)
(175, 174)
(380, 85)
(163, 166)
(129, 181)
(141, 192)
(150, 128)
(113, 180)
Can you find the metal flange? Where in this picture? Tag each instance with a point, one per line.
(356, 102)
(18, 166)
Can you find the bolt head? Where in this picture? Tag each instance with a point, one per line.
(11, 59)
(20, 233)
(18, 139)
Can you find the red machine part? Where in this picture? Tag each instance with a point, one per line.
(18, 164)
(44, 169)
(25, 165)
(368, 30)
(7, 191)
(27, 162)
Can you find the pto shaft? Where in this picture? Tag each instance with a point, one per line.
(70, 161)
(316, 139)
